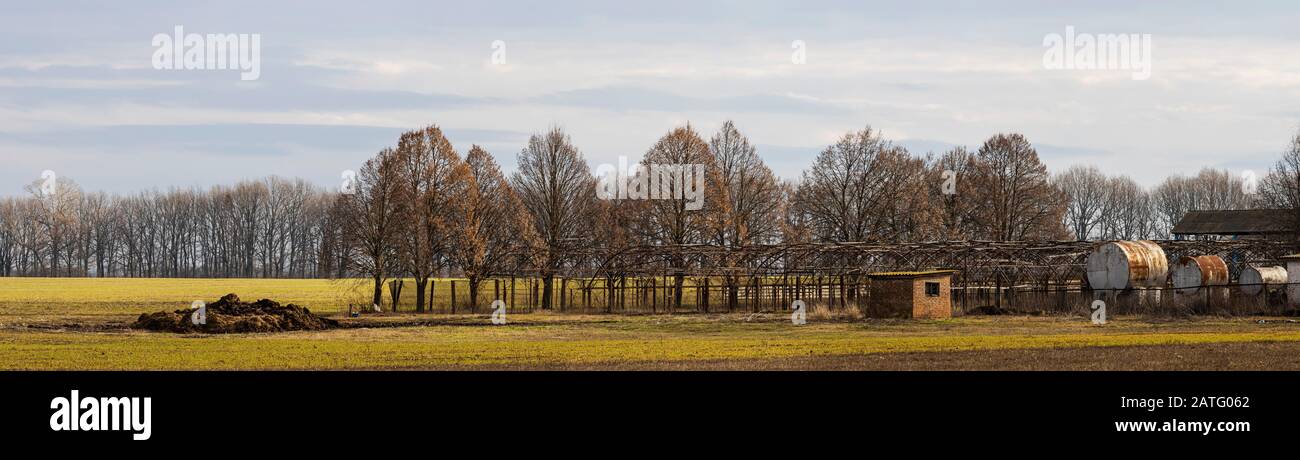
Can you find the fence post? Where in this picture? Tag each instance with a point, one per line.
(564, 286)
(622, 292)
(395, 291)
(453, 297)
(654, 296)
(705, 298)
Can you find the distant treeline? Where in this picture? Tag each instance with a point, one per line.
(421, 209)
(268, 228)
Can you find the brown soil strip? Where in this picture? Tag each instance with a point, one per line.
(1219, 356)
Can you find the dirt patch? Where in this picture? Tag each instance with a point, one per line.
(229, 315)
(991, 310)
(111, 326)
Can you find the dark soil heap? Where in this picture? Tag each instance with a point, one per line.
(230, 315)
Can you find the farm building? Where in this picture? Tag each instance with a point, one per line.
(1242, 223)
(917, 294)
(1292, 262)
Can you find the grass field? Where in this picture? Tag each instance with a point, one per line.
(79, 324)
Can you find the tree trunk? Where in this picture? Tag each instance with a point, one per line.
(548, 285)
(679, 283)
(419, 294)
(733, 293)
(473, 294)
(704, 298)
(395, 291)
(609, 294)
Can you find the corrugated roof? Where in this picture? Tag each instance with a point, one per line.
(1238, 222)
(911, 274)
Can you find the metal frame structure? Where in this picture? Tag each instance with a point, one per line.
(979, 263)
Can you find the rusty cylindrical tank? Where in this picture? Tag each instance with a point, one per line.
(1127, 265)
(1192, 273)
(1254, 280)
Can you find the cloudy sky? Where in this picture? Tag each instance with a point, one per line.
(79, 93)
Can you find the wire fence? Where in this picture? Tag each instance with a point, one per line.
(669, 295)
(1271, 299)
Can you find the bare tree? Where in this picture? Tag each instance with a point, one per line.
(857, 187)
(432, 178)
(1280, 189)
(1210, 189)
(955, 201)
(491, 222)
(1128, 213)
(753, 191)
(1085, 189)
(796, 223)
(673, 219)
(1018, 199)
(754, 198)
(10, 226)
(371, 219)
(54, 212)
(556, 186)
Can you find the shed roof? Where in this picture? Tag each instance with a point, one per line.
(911, 274)
(1234, 222)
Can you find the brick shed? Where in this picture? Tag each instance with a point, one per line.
(919, 294)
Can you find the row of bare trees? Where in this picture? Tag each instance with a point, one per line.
(266, 228)
(1117, 207)
(864, 188)
(421, 210)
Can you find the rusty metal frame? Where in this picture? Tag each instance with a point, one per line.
(979, 263)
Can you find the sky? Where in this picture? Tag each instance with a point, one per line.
(80, 93)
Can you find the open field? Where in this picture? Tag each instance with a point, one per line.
(99, 299)
(90, 299)
(79, 324)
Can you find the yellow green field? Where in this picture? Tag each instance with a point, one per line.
(92, 298)
(78, 324)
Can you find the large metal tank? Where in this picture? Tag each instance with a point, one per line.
(1191, 273)
(1254, 280)
(1127, 265)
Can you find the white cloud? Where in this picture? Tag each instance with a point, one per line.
(1214, 97)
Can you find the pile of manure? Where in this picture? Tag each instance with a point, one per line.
(229, 315)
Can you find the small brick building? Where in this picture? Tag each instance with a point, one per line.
(919, 294)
